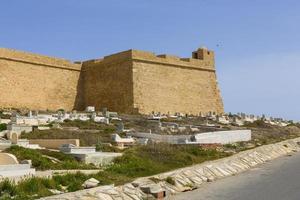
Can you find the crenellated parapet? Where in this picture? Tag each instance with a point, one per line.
(170, 60)
(202, 59)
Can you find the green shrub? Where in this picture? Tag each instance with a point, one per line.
(7, 188)
(257, 124)
(73, 182)
(155, 180)
(152, 159)
(3, 127)
(34, 186)
(89, 124)
(57, 155)
(170, 180)
(86, 138)
(137, 161)
(230, 146)
(40, 162)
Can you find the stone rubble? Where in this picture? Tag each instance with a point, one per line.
(90, 183)
(190, 177)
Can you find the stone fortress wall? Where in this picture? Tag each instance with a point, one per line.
(37, 82)
(108, 82)
(170, 84)
(138, 81)
(131, 81)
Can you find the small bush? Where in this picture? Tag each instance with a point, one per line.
(170, 180)
(230, 146)
(89, 124)
(155, 180)
(86, 138)
(58, 155)
(34, 186)
(257, 124)
(73, 182)
(3, 127)
(7, 188)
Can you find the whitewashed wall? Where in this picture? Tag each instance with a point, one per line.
(221, 137)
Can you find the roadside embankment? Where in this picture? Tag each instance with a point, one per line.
(187, 178)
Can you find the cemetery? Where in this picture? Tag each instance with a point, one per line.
(122, 147)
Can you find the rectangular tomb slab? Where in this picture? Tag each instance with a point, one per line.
(97, 158)
(16, 171)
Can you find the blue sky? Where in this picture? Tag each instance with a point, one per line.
(257, 43)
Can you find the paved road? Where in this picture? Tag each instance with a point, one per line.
(276, 180)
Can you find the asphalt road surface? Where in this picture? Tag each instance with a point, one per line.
(276, 180)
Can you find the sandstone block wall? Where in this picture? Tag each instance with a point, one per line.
(138, 81)
(168, 85)
(108, 83)
(129, 82)
(37, 82)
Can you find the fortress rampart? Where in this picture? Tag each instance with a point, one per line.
(130, 81)
(36, 59)
(138, 81)
(38, 82)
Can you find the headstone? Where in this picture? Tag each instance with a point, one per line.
(90, 109)
(60, 115)
(26, 162)
(36, 113)
(14, 138)
(30, 114)
(104, 110)
(94, 115)
(243, 115)
(120, 127)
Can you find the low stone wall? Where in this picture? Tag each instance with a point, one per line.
(190, 177)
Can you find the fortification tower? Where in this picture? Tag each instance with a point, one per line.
(204, 54)
(139, 81)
